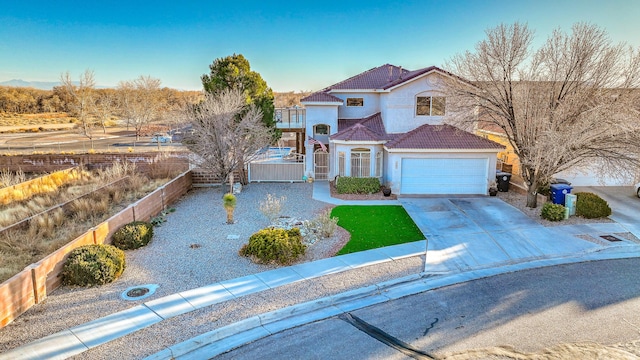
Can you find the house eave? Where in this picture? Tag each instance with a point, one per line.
(443, 150)
(322, 103)
(350, 91)
(355, 142)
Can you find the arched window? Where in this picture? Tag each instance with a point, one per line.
(361, 162)
(321, 129)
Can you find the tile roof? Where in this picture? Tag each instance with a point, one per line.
(440, 137)
(357, 132)
(321, 97)
(381, 77)
(367, 129)
(347, 123)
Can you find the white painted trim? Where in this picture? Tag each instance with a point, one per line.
(322, 103)
(355, 143)
(421, 151)
(340, 91)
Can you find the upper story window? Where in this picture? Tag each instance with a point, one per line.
(430, 105)
(355, 102)
(321, 129)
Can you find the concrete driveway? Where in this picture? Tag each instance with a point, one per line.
(471, 233)
(624, 203)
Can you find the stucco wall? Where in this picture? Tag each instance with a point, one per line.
(321, 114)
(370, 106)
(508, 156)
(399, 105)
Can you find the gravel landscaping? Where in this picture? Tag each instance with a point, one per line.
(195, 247)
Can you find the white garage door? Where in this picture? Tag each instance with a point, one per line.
(444, 176)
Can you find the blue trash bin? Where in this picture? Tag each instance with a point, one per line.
(558, 192)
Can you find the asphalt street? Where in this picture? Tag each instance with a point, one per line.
(72, 141)
(595, 302)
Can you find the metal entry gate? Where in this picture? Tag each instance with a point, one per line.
(321, 164)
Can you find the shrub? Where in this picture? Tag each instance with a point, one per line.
(133, 235)
(544, 189)
(271, 207)
(324, 225)
(552, 212)
(93, 265)
(275, 245)
(591, 206)
(352, 185)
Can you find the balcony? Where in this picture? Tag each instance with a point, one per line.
(292, 118)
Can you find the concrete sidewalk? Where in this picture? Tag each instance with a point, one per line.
(321, 192)
(466, 240)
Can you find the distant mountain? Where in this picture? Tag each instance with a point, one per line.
(34, 84)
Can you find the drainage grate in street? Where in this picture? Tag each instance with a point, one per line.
(610, 238)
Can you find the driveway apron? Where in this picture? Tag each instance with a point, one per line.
(471, 233)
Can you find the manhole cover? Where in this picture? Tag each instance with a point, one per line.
(610, 238)
(139, 292)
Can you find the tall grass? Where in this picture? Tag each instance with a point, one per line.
(44, 185)
(9, 178)
(47, 232)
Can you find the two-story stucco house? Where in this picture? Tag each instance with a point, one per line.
(390, 123)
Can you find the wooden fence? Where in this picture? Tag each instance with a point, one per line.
(31, 286)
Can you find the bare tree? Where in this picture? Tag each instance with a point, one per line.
(140, 102)
(226, 133)
(571, 103)
(82, 99)
(105, 106)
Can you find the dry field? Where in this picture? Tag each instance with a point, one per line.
(46, 231)
(11, 119)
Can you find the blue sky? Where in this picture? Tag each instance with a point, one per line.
(294, 45)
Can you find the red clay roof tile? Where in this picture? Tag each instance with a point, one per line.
(321, 97)
(440, 137)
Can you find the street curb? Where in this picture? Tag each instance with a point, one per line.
(227, 338)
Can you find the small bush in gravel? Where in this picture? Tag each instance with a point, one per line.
(352, 185)
(271, 206)
(91, 265)
(552, 212)
(324, 225)
(133, 235)
(591, 206)
(273, 245)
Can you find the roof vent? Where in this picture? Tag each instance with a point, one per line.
(400, 72)
(390, 72)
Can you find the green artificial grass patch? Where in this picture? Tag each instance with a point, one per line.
(375, 226)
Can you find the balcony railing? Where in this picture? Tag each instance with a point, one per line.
(290, 118)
